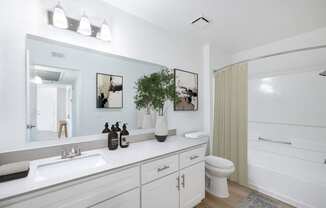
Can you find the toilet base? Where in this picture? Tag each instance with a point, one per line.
(217, 186)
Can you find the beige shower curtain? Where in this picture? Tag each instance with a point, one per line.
(230, 118)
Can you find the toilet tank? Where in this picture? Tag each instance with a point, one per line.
(200, 135)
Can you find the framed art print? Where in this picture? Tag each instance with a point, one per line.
(186, 87)
(109, 91)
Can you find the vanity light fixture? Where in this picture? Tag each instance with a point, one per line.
(84, 27)
(105, 32)
(59, 17)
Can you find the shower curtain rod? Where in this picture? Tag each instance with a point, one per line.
(271, 55)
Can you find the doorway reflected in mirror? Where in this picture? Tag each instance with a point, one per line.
(51, 102)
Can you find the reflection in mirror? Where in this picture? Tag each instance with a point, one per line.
(52, 98)
(74, 91)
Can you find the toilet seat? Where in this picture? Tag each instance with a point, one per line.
(219, 162)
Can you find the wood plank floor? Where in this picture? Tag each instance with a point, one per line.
(237, 195)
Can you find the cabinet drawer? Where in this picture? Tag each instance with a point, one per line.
(158, 168)
(84, 192)
(192, 156)
(130, 199)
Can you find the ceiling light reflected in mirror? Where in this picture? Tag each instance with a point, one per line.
(84, 26)
(105, 32)
(59, 17)
(37, 80)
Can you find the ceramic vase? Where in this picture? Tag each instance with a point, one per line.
(147, 121)
(161, 129)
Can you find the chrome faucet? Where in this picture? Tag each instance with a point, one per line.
(74, 152)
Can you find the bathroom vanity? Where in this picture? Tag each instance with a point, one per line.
(147, 174)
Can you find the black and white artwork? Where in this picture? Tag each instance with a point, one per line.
(186, 86)
(109, 91)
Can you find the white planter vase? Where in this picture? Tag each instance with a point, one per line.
(161, 129)
(147, 121)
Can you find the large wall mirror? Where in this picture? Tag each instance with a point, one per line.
(73, 91)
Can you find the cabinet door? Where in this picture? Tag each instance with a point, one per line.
(192, 180)
(130, 199)
(162, 193)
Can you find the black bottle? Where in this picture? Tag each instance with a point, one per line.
(117, 128)
(113, 140)
(124, 133)
(106, 128)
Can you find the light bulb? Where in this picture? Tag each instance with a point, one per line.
(105, 32)
(59, 18)
(37, 80)
(84, 26)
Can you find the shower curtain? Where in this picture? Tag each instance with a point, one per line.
(231, 118)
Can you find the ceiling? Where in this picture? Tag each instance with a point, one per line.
(235, 24)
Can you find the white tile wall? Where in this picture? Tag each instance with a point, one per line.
(290, 107)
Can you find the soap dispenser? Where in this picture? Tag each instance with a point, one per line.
(117, 128)
(123, 137)
(106, 128)
(113, 140)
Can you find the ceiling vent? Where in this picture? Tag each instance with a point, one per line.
(200, 22)
(51, 76)
(57, 54)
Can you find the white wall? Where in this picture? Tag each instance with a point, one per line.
(132, 37)
(219, 58)
(310, 39)
(290, 107)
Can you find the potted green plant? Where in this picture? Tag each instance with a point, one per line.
(143, 100)
(153, 91)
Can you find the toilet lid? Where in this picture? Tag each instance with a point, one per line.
(219, 162)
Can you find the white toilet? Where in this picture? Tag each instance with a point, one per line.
(217, 171)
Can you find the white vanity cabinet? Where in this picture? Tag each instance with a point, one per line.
(183, 188)
(81, 193)
(192, 177)
(174, 180)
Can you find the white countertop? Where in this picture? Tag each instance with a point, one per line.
(135, 153)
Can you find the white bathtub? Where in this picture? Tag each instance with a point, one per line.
(293, 173)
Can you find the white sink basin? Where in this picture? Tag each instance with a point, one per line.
(65, 167)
